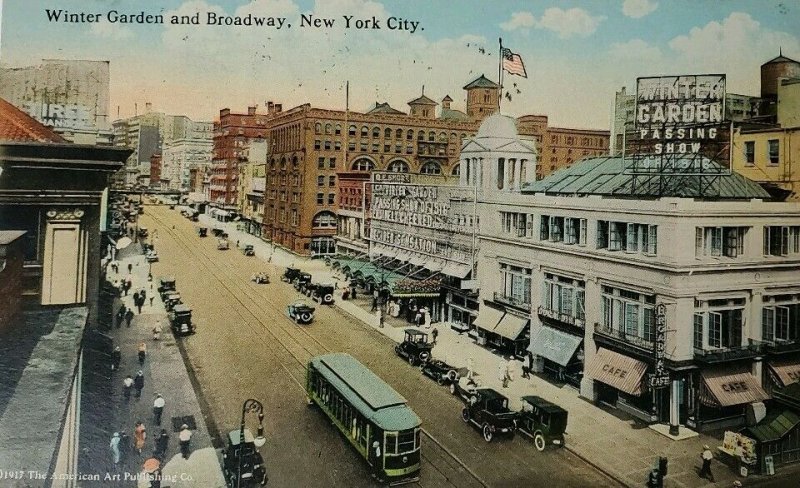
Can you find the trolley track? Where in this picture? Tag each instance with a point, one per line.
(441, 460)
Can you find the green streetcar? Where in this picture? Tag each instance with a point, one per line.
(373, 417)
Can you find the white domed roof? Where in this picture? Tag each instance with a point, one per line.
(497, 125)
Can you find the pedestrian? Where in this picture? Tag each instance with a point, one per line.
(418, 317)
(120, 316)
(501, 373)
(434, 335)
(162, 442)
(116, 357)
(705, 471)
(138, 383)
(379, 314)
(128, 317)
(136, 300)
(426, 317)
(376, 449)
(527, 366)
(374, 303)
(127, 384)
(470, 368)
(124, 445)
(510, 369)
(114, 445)
(354, 294)
(158, 409)
(143, 295)
(157, 332)
(142, 352)
(151, 301)
(185, 437)
(139, 435)
(130, 268)
(140, 303)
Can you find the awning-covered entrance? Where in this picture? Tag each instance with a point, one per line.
(488, 318)
(554, 345)
(511, 326)
(787, 372)
(724, 389)
(614, 369)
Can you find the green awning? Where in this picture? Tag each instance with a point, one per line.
(773, 428)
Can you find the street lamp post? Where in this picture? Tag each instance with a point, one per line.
(253, 406)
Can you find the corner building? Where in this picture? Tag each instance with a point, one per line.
(618, 285)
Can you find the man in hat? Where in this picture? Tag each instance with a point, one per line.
(705, 471)
(185, 436)
(158, 408)
(138, 383)
(127, 384)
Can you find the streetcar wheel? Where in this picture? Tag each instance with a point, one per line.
(452, 388)
(488, 432)
(539, 442)
(465, 414)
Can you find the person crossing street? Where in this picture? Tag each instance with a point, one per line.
(158, 408)
(127, 384)
(138, 383)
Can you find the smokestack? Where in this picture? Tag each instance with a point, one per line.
(135, 108)
(270, 108)
(251, 110)
(148, 107)
(278, 107)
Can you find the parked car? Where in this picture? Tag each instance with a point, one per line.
(202, 231)
(301, 281)
(415, 347)
(443, 373)
(248, 250)
(542, 421)
(166, 284)
(143, 232)
(171, 299)
(322, 293)
(217, 232)
(290, 274)
(180, 319)
(488, 410)
(242, 464)
(223, 244)
(300, 312)
(465, 388)
(151, 256)
(260, 278)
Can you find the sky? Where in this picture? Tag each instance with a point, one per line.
(576, 53)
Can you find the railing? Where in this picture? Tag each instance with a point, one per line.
(560, 317)
(780, 346)
(511, 301)
(633, 339)
(751, 349)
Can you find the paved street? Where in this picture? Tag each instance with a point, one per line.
(246, 347)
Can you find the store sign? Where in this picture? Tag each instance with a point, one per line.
(612, 370)
(681, 115)
(60, 115)
(660, 377)
(415, 205)
(378, 177)
(410, 241)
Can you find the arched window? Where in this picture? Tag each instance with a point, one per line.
(352, 130)
(317, 128)
(387, 133)
(376, 132)
(431, 136)
(294, 161)
(410, 135)
(364, 131)
(398, 134)
(272, 163)
(328, 128)
(457, 170)
(324, 219)
(283, 163)
(431, 168)
(397, 167)
(421, 135)
(443, 137)
(338, 129)
(363, 164)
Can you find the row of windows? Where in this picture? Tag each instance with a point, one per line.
(331, 180)
(348, 417)
(772, 152)
(321, 198)
(629, 312)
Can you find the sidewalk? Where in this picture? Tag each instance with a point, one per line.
(165, 374)
(621, 447)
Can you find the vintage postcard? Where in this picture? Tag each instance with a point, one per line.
(362, 243)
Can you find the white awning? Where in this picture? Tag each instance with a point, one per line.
(511, 326)
(488, 318)
(434, 265)
(389, 252)
(417, 259)
(457, 270)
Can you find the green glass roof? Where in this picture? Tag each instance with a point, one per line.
(612, 176)
(774, 427)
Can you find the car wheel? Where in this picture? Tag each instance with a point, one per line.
(424, 356)
(488, 432)
(539, 442)
(328, 298)
(452, 375)
(397, 350)
(305, 317)
(452, 388)
(465, 414)
(440, 380)
(411, 360)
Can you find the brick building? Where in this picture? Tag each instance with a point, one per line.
(155, 170)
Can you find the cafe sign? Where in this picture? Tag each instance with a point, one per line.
(660, 376)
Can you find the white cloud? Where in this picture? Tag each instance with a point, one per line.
(107, 30)
(569, 23)
(635, 49)
(519, 20)
(638, 8)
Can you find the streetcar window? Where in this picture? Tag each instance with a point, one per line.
(417, 437)
(406, 441)
(391, 443)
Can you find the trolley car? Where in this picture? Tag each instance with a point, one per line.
(373, 417)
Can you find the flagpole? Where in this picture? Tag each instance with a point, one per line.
(500, 75)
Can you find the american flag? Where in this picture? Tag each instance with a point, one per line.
(513, 64)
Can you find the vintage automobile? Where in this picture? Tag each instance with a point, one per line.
(290, 274)
(260, 278)
(242, 464)
(322, 293)
(172, 207)
(143, 232)
(248, 250)
(489, 410)
(223, 244)
(542, 421)
(443, 373)
(465, 388)
(301, 312)
(415, 347)
(217, 232)
(202, 231)
(166, 284)
(171, 299)
(151, 256)
(180, 319)
(301, 281)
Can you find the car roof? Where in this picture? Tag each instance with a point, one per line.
(542, 403)
(167, 278)
(490, 394)
(181, 307)
(415, 332)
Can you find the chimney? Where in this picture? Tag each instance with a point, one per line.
(270, 108)
(251, 110)
(148, 107)
(278, 107)
(224, 112)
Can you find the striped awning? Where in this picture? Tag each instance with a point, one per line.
(488, 318)
(788, 372)
(434, 265)
(723, 389)
(614, 369)
(417, 259)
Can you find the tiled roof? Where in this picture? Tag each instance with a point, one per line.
(423, 100)
(17, 126)
(385, 108)
(612, 176)
(482, 82)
